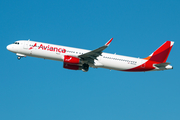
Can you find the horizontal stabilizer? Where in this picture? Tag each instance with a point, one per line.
(162, 64)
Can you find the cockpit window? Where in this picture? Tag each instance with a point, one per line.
(16, 43)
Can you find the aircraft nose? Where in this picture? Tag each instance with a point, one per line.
(9, 47)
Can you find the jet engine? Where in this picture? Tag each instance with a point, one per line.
(71, 59)
(72, 66)
(74, 63)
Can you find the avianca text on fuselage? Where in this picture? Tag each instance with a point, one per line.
(49, 48)
(81, 59)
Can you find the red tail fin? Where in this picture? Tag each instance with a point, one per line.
(162, 53)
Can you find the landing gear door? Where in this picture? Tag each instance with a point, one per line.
(26, 45)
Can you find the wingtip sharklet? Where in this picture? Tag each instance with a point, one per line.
(107, 44)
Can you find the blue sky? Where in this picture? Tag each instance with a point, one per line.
(33, 88)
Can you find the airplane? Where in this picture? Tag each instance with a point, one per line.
(81, 59)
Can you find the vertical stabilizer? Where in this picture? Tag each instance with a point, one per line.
(162, 53)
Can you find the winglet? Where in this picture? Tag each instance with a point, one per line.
(107, 44)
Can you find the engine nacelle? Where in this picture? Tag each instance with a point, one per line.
(74, 63)
(71, 59)
(72, 66)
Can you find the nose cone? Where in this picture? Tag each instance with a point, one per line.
(9, 47)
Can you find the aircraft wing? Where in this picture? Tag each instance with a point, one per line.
(90, 56)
